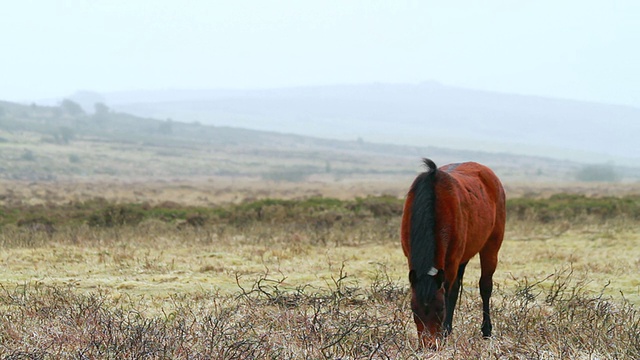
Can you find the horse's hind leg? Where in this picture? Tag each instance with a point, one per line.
(452, 299)
(486, 287)
(488, 263)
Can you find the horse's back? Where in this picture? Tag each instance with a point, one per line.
(479, 210)
(477, 182)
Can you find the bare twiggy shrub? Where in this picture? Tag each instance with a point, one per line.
(547, 319)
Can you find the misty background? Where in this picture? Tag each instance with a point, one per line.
(546, 79)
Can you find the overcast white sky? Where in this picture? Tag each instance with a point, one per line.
(585, 50)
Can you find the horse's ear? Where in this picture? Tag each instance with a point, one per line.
(412, 277)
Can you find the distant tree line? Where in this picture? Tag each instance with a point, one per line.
(598, 173)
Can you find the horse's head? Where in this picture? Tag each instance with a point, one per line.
(428, 306)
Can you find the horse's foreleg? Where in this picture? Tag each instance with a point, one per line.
(452, 299)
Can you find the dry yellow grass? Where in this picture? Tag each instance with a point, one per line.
(159, 259)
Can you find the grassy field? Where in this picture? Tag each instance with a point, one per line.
(134, 275)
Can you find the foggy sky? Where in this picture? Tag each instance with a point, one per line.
(583, 50)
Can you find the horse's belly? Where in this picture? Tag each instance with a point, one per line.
(474, 244)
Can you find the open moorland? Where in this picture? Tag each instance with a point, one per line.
(131, 274)
(131, 238)
(65, 144)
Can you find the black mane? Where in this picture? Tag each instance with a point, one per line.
(422, 233)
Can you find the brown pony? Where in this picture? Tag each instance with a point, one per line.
(451, 214)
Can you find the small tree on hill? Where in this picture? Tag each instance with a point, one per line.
(71, 108)
(101, 112)
(66, 134)
(101, 108)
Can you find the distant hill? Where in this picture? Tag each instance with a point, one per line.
(65, 143)
(427, 114)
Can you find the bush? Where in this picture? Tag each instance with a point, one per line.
(601, 173)
(74, 159)
(116, 215)
(28, 155)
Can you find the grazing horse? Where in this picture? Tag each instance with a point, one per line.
(451, 214)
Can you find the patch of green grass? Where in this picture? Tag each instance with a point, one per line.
(100, 212)
(574, 208)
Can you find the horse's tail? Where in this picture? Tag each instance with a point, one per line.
(422, 233)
